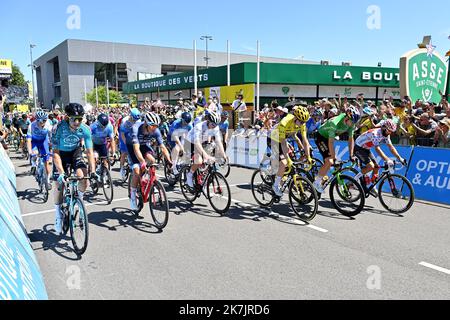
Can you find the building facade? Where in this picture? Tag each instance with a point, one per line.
(66, 71)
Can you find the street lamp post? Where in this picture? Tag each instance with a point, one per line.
(32, 73)
(206, 38)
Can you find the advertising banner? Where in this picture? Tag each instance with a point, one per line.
(430, 174)
(229, 94)
(423, 75)
(5, 66)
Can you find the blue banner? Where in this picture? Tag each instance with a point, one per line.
(20, 276)
(430, 174)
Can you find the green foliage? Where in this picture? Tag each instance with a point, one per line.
(114, 96)
(18, 78)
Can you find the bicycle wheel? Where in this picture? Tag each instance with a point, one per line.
(396, 194)
(170, 177)
(303, 198)
(219, 194)
(261, 190)
(125, 178)
(224, 169)
(188, 193)
(79, 227)
(44, 187)
(347, 196)
(107, 185)
(159, 205)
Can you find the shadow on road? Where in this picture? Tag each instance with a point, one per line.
(48, 240)
(31, 195)
(122, 218)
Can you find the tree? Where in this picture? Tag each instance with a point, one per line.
(18, 78)
(114, 96)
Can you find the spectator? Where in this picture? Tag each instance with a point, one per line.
(239, 107)
(201, 100)
(442, 134)
(408, 131)
(426, 129)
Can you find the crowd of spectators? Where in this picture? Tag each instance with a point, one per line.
(422, 123)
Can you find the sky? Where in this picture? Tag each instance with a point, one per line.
(360, 31)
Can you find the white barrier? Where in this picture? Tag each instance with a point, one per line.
(247, 150)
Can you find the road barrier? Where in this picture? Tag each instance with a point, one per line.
(428, 168)
(20, 276)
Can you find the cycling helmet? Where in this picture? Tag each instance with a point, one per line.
(225, 114)
(390, 125)
(187, 117)
(213, 117)
(302, 114)
(103, 119)
(368, 111)
(355, 114)
(41, 116)
(152, 119)
(74, 110)
(318, 113)
(135, 114)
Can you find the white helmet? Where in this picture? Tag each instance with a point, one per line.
(213, 117)
(152, 119)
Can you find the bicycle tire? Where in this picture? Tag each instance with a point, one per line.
(110, 190)
(189, 194)
(80, 248)
(160, 223)
(225, 170)
(262, 188)
(361, 197)
(215, 177)
(407, 183)
(170, 177)
(44, 186)
(303, 199)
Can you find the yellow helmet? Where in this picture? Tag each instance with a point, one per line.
(302, 114)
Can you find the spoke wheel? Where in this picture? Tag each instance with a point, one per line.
(107, 185)
(261, 190)
(347, 196)
(219, 193)
(303, 199)
(396, 194)
(79, 227)
(159, 205)
(188, 193)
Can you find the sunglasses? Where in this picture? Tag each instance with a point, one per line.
(74, 119)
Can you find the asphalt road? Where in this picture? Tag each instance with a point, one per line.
(251, 253)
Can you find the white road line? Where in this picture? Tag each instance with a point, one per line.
(431, 266)
(86, 205)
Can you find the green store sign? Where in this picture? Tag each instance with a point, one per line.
(273, 73)
(423, 76)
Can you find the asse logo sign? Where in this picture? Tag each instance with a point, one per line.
(422, 76)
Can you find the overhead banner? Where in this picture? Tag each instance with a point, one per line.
(6, 66)
(423, 76)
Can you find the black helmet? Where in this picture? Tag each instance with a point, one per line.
(103, 119)
(74, 110)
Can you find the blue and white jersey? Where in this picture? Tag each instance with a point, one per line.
(127, 129)
(201, 133)
(143, 138)
(100, 133)
(224, 126)
(177, 130)
(36, 133)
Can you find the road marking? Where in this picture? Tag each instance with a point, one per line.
(86, 205)
(431, 266)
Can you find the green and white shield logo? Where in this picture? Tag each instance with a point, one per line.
(422, 77)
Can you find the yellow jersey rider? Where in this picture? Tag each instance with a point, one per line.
(288, 127)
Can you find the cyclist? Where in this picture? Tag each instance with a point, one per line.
(201, 133)
(278, 142)
(24, 124)
(15, 124)
(373, 139)
(140, 151)
(224, 126)
(344, 123)
(38, 138)
(101, 130)
(178, 130)
(125, 135)
(67, 139)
